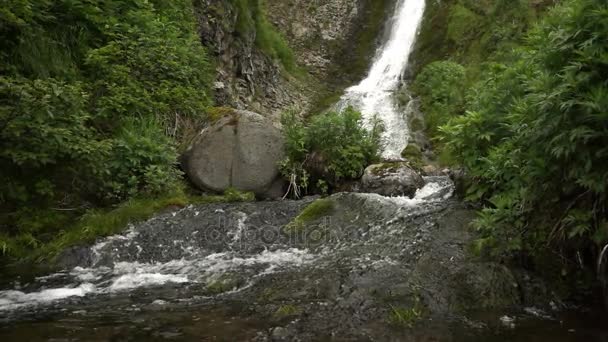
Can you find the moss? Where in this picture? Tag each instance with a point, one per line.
(405, 317)
(216, 113)
(93, 224)
(223, 284)
(470, 31)
(416, 125)
(314, 211)
(251, 16)
(412, 152)
(287, 311)
(385, 168)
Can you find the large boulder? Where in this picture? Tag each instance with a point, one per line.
(392, 179)
(241, 150)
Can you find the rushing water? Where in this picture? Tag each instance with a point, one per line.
(374, 95)
(220, 272)
(225, 243)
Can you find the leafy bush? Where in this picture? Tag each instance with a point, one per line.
(46, 141)
(142, 161)
(332, 147)
(94, 98)
(440, 85)
(535, 138)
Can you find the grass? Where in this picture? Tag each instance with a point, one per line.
(98, 223)
(287, 311)
(251, 16)
(222, 285)
(314, 211)
(216, 113)
(405, 317)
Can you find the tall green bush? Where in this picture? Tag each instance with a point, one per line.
(441, 86)
(331, 148)
(535, 138)
(93, 100)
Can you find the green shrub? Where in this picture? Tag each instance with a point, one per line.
(333, 147)
(142, 161)
(94, 98)
(534, 139)
(46, 143)
(440, 86)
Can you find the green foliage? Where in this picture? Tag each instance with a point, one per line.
(141, 161)
(42, 234)
(405, 317)
(470, 32)
(462, 22)
(333, 146)
(287, 311)
(440, 85)
(535, 135)
(45, 140)
(94, 98)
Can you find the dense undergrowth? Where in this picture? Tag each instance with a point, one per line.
(528, 121)
(96, 97)
(327, 150)
(97, 100)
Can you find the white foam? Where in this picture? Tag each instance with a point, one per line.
(135, 280)
(125, 276)
(10, 300)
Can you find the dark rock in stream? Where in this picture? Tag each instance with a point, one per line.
(392, 179)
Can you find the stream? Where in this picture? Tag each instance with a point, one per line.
(231, 272)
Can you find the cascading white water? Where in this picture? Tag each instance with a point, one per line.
(374, 95)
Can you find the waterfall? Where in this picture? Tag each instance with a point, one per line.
(374, 95)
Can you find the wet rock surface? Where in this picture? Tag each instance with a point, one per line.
(372, 268)
(391, 179)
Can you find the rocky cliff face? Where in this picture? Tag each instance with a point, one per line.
(316, 29)
(332, 41)
(246, 77)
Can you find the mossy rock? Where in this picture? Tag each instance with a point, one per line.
(314, 211)
(216, 113)
(412, 151)
(416, 125)
(224, 284)
(413, 154)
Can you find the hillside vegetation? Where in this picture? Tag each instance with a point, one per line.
(97, 100)
(528, 121)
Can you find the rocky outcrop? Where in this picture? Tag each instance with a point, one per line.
(241, 150)
(333, 39)
(246, 77)
(391, 179)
